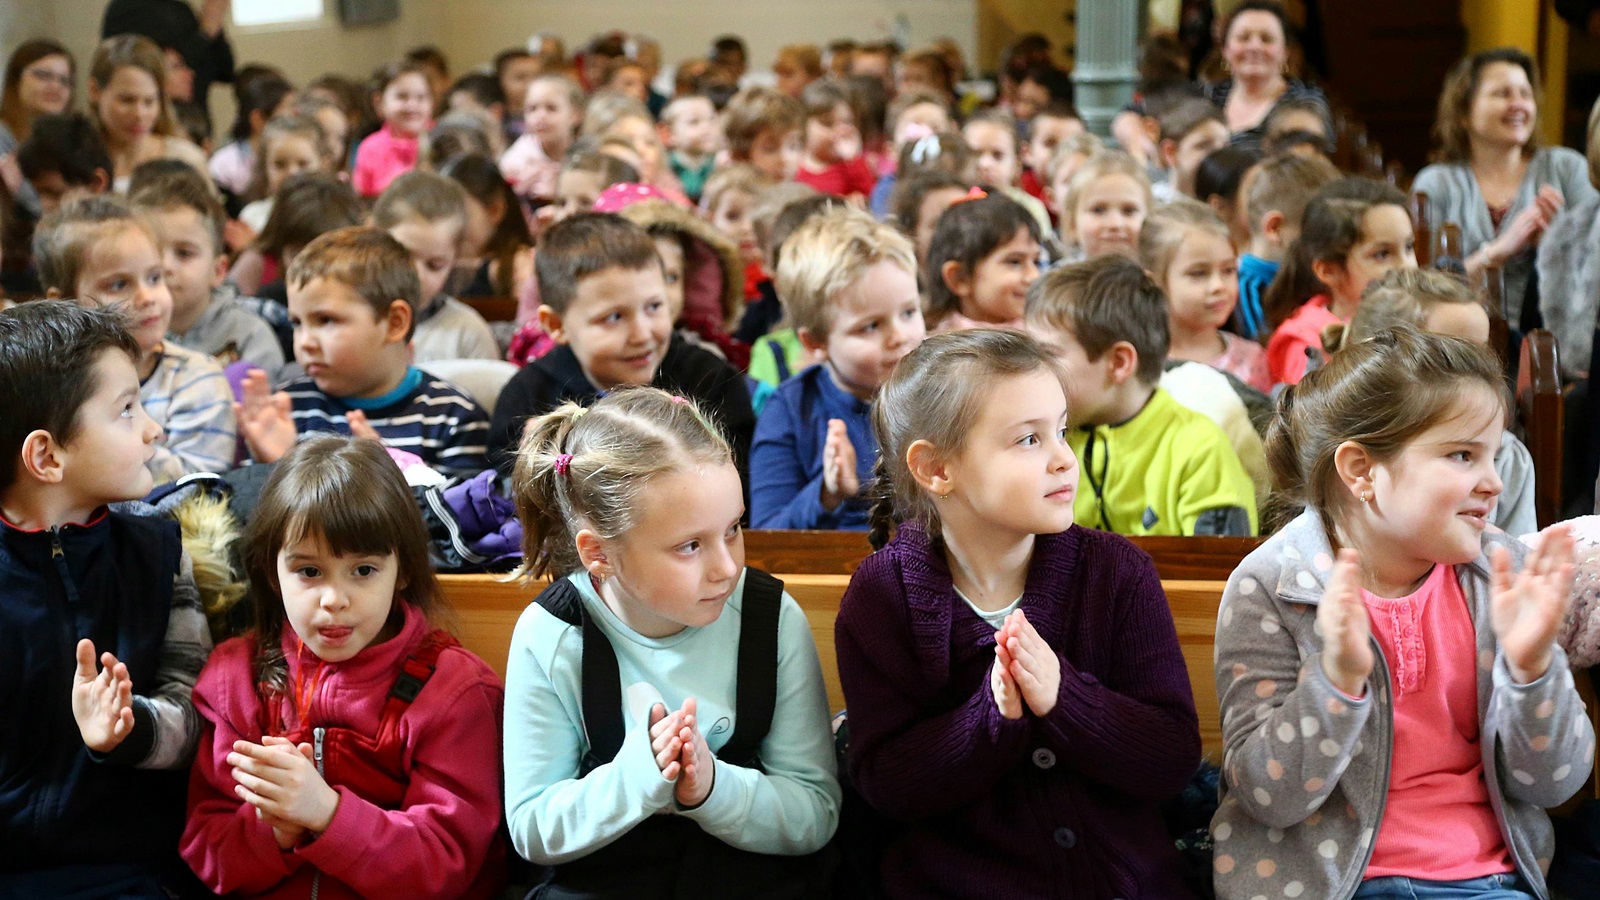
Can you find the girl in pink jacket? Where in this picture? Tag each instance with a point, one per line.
(355, 752)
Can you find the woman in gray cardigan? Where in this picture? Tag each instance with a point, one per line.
(1569, 269)
(1492, 179)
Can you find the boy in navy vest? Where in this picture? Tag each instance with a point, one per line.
(101, 630)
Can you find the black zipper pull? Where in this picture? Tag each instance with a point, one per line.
(58, 555)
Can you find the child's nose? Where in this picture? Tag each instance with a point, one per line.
(152, 429)
(153, 292)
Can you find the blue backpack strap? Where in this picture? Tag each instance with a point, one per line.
(780, 358)
(602, 683)
(756, 692)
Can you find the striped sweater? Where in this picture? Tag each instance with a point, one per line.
(189, 397)
(426, 415)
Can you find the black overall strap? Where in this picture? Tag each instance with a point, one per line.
(602, 683)
(756, 691)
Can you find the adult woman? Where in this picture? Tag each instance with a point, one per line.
(1490, 176)
(38, 82)
(1569, 269)
(1255, 50)
(128, 103)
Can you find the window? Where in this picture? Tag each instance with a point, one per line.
(275, 12)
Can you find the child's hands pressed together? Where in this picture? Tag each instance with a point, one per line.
(1528, 608)
(102, 703)
(285, 833)
(282, 783)
(1346, 631)
(1006, 696)
(1034, 665)
(699, 767)
(839, 479)
(264, 418)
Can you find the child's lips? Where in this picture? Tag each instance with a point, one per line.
(335, 634)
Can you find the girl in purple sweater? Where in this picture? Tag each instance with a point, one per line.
(1017, 696)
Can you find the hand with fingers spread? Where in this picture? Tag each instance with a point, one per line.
(102, 703)
(283, 784)
(265, 421)
(666, 740)
(839, 479)
(1006, 696)
(1347, 657)
(360, 427)
(697, 766)
(1527, 608)
(1034, 665)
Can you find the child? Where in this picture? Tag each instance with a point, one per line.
(992, 136)
(1185, 248)
(497, 246)
(350, 748)
(850, 287)
(552, 109)
(304, 208)
(689, 126)
(95, 250)
(404, 101)
(1152, 466)
(353, 296)
(604, 304)
(64, 159)
(918, 203)
(1105, 205)
(833, 161)
(912, 116)
(1380, 653)
(1054, 125)
(776, 352)
(289, 145)
(1278, 189)
(1354, 230)
(1219, 182)
(1015, 685)
(762, 127)
(259, 94)
(335, 125)
(1070, 155)
(188, 222)
(1191, 129)
(658, 769)
(128, 105)
(727, 202)
(983, 256)
(613, 115)
(1441, 303)
(94, 734)
(427, 213)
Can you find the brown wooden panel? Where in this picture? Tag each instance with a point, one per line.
(494, 309)
(1540, 404)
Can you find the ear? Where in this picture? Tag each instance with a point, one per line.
(1121, 361)
(1327, 272)
(1355, 467)
(52, 293)
(1169, 152)
(928, 470)
(1272, 226)
(219, 267)
(398, 322)
(812, 343)
(592, 552)
(551, 322)
(101, 183)
(956, 278)
(42, 457)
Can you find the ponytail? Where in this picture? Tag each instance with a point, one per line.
(1329, 230)
(881, 518)
(547, 543)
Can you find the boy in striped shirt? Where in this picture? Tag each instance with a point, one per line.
(353, 295)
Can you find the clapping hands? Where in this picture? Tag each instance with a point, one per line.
(681, 753)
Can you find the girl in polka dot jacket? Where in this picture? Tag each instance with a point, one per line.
(1396, 710)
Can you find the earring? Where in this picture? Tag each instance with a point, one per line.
(1366, 496)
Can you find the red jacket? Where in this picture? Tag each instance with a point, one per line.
(442, 841)
(1287, 349)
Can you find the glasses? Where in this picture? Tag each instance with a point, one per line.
(49, 77)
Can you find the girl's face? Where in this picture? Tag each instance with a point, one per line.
(1503, 108)
(646, 142)
(1387, 243)
(671, 252)
(825, 133)
(1016, 474)
(336, 129)
(731, 217)
(1202, 283)
(1467, 321)
(676, 566)
(129, 104)
(124, 268)
(1255, 47)
(289, 155)
(337, 605)
(1110, 212)
(934, 203)
(407, 104)
(919, 120)
(46, 86)
(548, 114)
(1000, 281)
(576, 192)
(994, 153)
(432, 246)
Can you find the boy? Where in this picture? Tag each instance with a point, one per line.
(1190, 128)
(95, 753)
(427, 213)
(64, 158)
(353, 295)
(1276, 192)
(188, 221)
(689, 129)
(992, 135)
(850, 284)
(762, 128)
(1149, 466)
(603, 302)
(1052, 125)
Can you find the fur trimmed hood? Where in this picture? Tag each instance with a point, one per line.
(713, 271)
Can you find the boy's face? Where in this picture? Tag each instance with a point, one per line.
(618, 325)
(191, 264)
(1089, 383)
(694, 126)
(126, 269)
(776, 153)
(994, 153)
(875, 322)
(343, 345)
(432, 246)
(1045, 135)
(105, 460)
(731, 217)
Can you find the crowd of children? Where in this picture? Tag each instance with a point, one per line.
(990, 340)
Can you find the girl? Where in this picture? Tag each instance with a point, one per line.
(337, 120)
(983, 256)
(1187, 250)
(656, 771)
(304, 207)
(497, 231)
(919, 200)
(1395, 709)
(288, 146)
(611, 116)
(38, 82)
(1015, 686)
(260, 96)
(1104, 207)
(1353, 231)
(551, 112)
(1441, 303)
(833, 161)
(997, 160)
(128, 104)
(353, 752)
(97, 251)
(405, 103)
(1219, 183)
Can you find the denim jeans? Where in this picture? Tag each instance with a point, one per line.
(1509, 886)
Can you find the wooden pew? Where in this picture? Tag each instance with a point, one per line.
(1540, 408)
(487, 608)
(494, 309)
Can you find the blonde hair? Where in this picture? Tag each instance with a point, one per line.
(607, 108)
(1401, 298)
(136, 52)
(1084, 143)
(739, 177)
(1166, 228)
(827, 255)
(64, 238)
(585, 468)
(1102, 165)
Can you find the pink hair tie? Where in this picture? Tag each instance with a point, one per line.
(678, 399)
(563, 462)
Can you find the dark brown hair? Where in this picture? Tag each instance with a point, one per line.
(1102, 301)
(306, 206)
(583, 245)
(480, 177)
(967, 232)
(1329, 230)
(27, 53)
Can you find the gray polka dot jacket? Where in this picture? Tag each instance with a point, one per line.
(1306, 770)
